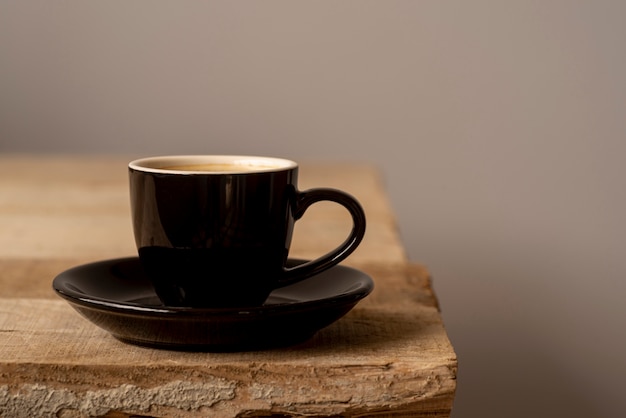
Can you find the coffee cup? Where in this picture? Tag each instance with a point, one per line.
(214, 231)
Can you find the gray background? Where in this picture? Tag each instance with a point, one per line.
(499, 127)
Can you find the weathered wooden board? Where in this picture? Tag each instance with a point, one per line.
(390, 356)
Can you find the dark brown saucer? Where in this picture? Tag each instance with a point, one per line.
(116, 296)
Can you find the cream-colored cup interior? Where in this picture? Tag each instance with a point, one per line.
(211, 164)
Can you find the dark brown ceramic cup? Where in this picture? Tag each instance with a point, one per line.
(215, 231)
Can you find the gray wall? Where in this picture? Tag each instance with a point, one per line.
(499, 125)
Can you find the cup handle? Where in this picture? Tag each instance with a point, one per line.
(303, 201)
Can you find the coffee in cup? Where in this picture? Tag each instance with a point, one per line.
(214, 231)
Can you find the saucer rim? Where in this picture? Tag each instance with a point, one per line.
(365, 285)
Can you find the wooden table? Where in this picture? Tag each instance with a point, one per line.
(390, 356)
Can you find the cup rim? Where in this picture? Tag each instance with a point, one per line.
(253, 164)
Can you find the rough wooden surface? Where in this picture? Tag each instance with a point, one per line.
(390, 356)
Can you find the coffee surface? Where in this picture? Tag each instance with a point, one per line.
(218, 167)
